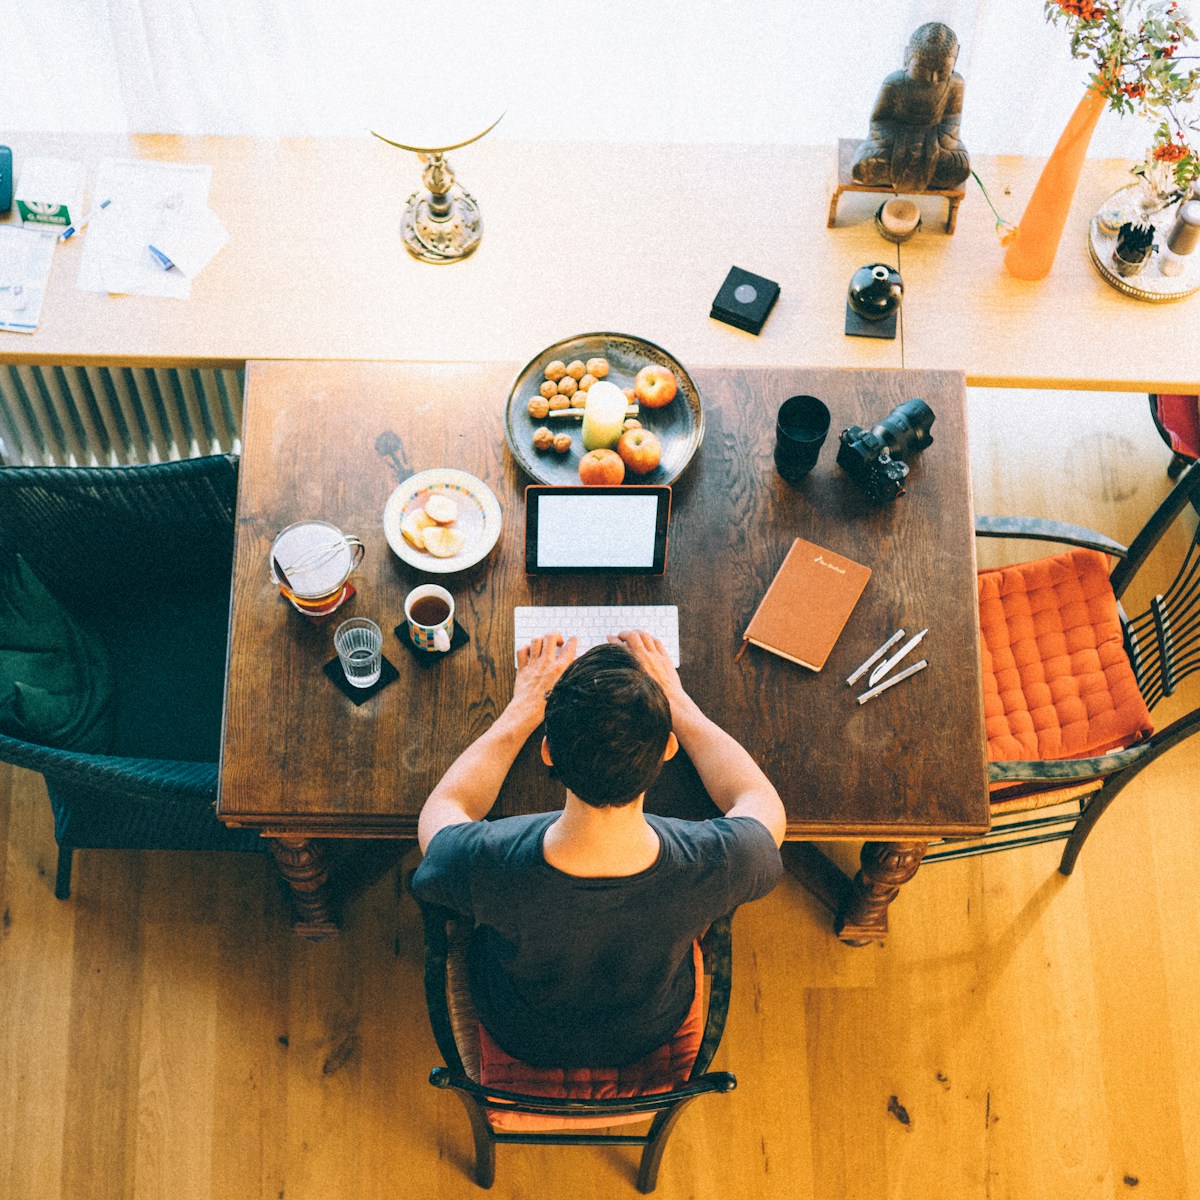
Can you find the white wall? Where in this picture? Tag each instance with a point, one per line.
(799, 72)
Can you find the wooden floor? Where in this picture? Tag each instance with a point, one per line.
(1022, 1035)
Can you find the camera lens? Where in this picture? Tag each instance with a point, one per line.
(905, 429)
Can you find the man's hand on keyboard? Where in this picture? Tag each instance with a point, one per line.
(653, 656)
(469, 788)
(539, 666)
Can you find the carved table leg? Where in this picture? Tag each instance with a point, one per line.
(301, 862)
(885, 866)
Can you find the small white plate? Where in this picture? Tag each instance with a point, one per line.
(478, 518)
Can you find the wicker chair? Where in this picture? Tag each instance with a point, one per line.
(142, 558)
(556, 1120)
(1090, 674)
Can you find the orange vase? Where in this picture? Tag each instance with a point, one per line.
(1031, 254)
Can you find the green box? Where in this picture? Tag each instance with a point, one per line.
(49, 193)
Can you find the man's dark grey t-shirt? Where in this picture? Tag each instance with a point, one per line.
(566, 971)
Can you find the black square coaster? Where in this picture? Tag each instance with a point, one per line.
(857, 326)
(745, 300)
(333, 669)
(426, 658)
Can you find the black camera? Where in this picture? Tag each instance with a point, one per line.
(873, 459)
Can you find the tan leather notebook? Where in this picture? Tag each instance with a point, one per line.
(807, 605)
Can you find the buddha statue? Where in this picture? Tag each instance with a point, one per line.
(913, 145)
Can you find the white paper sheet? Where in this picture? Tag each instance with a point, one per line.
(116, 253)
(25, 258)
(187, 238)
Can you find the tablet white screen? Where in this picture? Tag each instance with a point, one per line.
(596, 531)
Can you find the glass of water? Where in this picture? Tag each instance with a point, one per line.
(359, 644)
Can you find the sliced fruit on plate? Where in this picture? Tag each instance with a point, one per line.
(413, 527)
(443, 542)
(441, 508)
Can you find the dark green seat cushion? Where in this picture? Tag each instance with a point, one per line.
(55, 680)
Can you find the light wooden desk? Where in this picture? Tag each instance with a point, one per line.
(584, 237)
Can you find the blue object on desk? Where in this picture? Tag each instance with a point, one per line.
(72, 230)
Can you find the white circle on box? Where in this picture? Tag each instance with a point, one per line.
(744, 293)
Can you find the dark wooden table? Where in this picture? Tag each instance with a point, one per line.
(330, 440)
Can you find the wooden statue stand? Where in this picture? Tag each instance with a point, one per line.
(846, 151)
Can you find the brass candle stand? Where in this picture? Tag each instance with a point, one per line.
(441, 223)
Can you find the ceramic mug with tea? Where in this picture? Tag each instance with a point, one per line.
(311, 564)
(429, 610)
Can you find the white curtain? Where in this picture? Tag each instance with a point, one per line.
(793, 71)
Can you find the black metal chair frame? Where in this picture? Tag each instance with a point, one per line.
(665, 1107)
(1163, 645)
(50, 516)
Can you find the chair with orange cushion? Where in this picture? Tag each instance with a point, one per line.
(509, 1101)
(1070, 678)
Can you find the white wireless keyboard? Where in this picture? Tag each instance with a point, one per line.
(592, 624)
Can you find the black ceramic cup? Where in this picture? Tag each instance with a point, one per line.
(800, 431)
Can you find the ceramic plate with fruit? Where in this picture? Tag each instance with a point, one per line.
(442, 520)
(545, 423)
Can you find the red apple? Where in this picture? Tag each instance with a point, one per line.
(655, 386)
(640, 450)
(601, 468)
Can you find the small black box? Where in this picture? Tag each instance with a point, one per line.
(857, 326)
(745, 300)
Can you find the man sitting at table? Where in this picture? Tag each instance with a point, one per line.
(584, 919)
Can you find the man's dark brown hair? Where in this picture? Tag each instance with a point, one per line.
(607, 723)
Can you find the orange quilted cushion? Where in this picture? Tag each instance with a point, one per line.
(1056, 680)
(659, 1071)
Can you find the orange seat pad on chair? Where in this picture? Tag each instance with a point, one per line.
(1056, 680)
(661, 1069)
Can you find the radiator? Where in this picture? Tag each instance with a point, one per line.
(117, 416)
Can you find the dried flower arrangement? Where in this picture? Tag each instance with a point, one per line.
(1137, 48)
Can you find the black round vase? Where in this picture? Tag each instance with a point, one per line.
(875, 291)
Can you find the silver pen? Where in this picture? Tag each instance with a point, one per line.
(884, 667)
(876, 656)
(883, 687)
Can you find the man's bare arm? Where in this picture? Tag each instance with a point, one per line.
(469, 788)
(731, 777)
